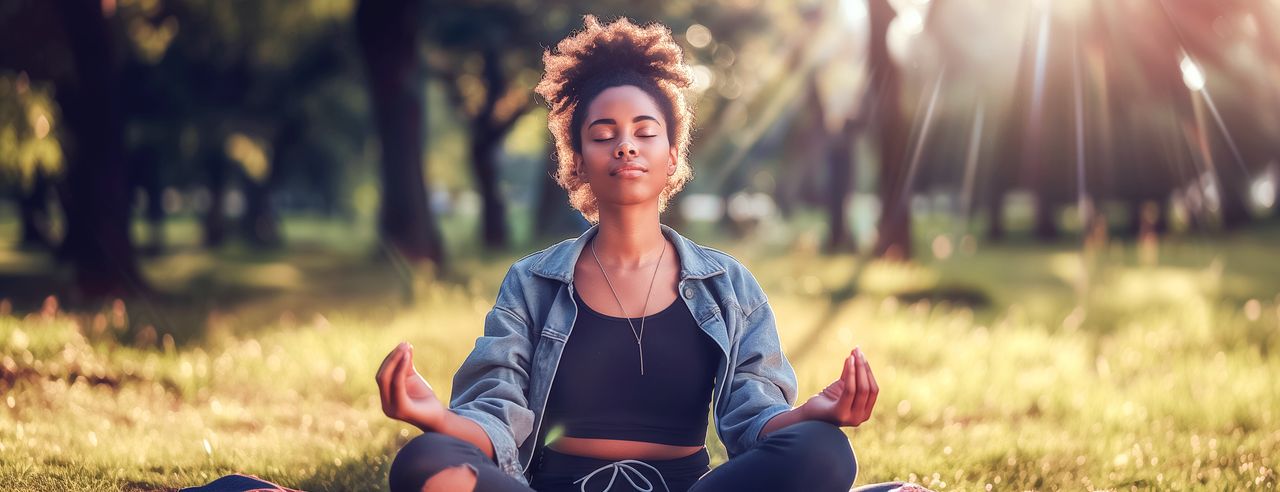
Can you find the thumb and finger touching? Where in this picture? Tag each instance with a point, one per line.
(849, 379)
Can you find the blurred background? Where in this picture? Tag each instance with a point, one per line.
(1051, 224)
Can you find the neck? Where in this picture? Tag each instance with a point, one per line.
(629, 238)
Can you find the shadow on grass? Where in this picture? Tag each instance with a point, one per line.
(367, 473)
(957, 295)
(192, 289)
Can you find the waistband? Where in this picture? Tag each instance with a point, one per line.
(559, 471)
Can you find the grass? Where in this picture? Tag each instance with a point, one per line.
(1010, 367)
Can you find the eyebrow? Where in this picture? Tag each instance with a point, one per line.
(610, 121)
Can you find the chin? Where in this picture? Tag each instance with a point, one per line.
(629, 199)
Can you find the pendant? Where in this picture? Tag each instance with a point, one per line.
(641, 347)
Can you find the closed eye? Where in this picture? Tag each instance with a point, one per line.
(606, 139)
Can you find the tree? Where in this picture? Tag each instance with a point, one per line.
(893, 240)
(98, 200)
(237, 71)
(553, 218)
(387, 31)
(30, 156)
(485, 57)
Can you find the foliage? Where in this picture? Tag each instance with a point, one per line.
(28, 134)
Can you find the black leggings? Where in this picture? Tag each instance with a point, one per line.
(807, 456)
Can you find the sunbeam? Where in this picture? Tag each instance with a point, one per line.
(904, 195)
(971, 166)
(1081, 190)
(776, 102)
(1226, 134)
(1041, 63)
(1193, 77)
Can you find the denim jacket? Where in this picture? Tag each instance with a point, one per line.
(504, 383)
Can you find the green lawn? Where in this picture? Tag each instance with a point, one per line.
(1005, 368)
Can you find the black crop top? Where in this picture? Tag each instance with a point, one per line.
(599, 393)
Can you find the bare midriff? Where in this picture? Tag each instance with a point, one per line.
(613, 449)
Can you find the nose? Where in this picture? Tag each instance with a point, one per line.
(625, 148)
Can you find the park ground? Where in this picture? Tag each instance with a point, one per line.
(1020, 366)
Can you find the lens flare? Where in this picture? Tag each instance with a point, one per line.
(1191, 74)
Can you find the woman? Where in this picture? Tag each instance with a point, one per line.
(662, 329)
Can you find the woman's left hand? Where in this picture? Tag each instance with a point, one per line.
(847, 401)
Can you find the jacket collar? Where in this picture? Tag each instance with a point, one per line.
(558, 262)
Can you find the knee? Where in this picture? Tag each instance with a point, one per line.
(825, 448)
(421, 458)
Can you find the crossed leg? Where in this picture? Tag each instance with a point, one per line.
(435, 461)
(808, 456)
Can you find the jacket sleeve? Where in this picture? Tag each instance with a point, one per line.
(762, 384)
(491, 387)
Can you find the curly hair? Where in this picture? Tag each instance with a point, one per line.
(603, 56)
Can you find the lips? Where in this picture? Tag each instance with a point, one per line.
(629, 169)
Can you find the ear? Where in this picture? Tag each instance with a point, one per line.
(671, 165)
(577, 167)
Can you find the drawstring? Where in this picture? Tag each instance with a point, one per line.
(624, 467)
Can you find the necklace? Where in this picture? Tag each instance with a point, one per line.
(638, 335)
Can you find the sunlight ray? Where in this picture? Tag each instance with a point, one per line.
(1202, 138)
(971, 166)
(1222, 127)
(904, 195)
(774, 108)
(776, 102)
(1193, 76)
(1081, 186)
(1041, 63)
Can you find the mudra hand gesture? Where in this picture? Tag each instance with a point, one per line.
(847, 401)
(406, 396)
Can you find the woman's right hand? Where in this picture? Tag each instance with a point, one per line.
(406, 396)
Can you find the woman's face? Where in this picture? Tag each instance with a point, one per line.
(626, 155)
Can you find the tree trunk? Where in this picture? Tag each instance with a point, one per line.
(33, 206)
(995, 211)
(1046, 225)
(893, 240)
(1015, 145)
(147, 177)
(553, 217)
(840, 183)
(1049, 151)
(214, 223)
(261, 224)
(836, 153)
(484, 165)
(388, 34)
(486, 136)
(97, 173)
(1232, 193)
